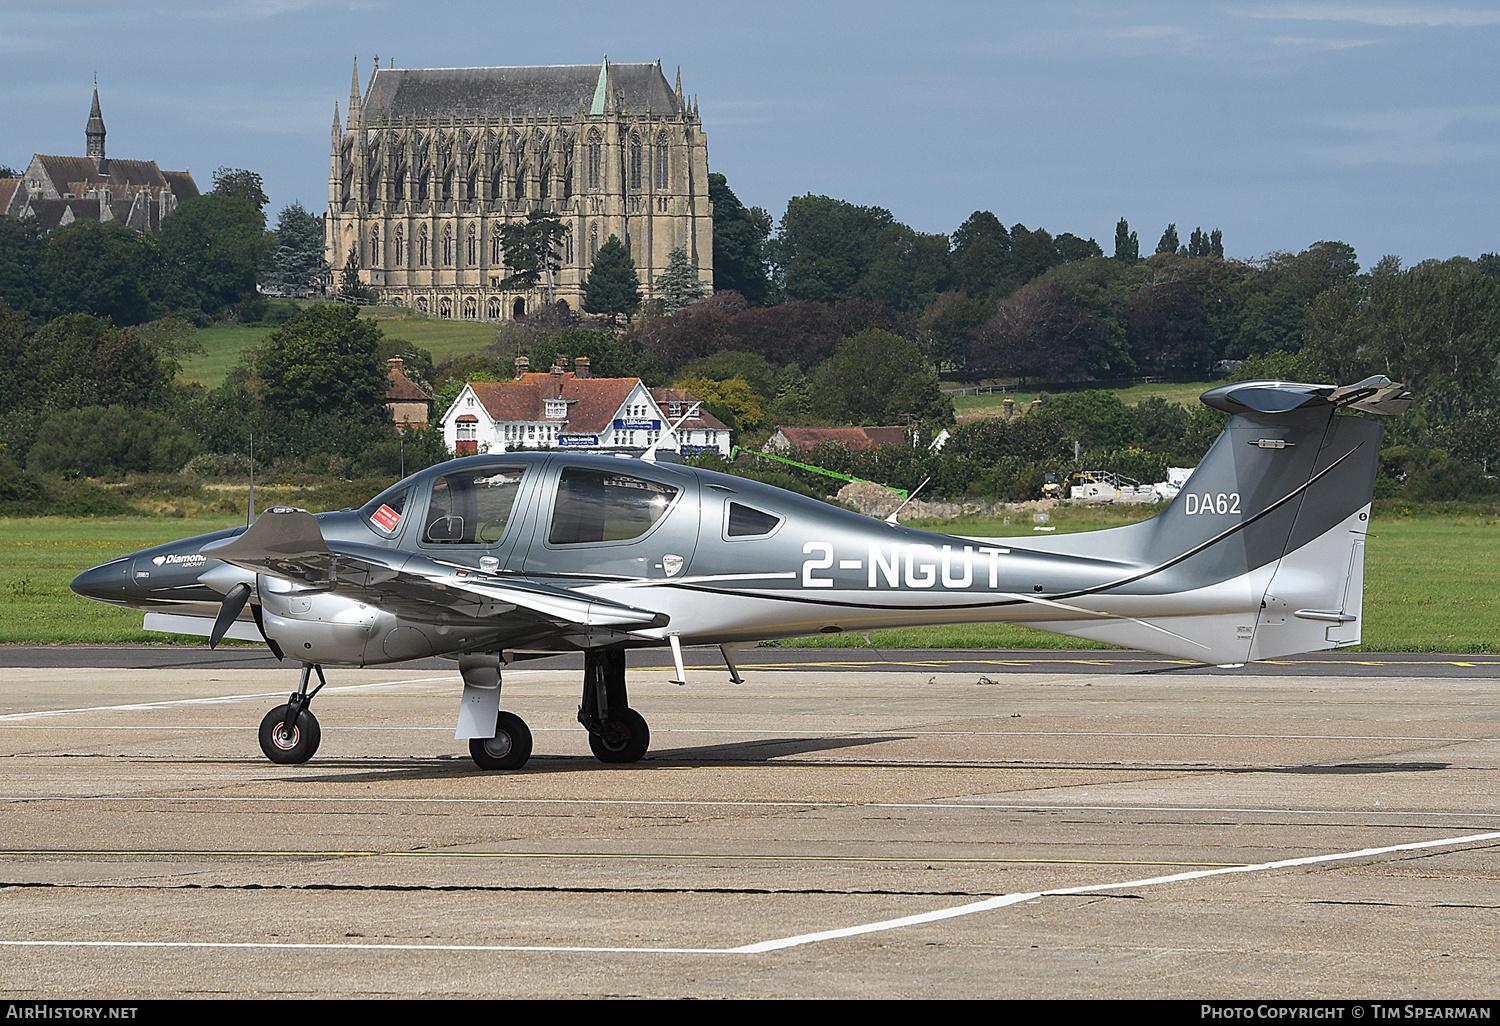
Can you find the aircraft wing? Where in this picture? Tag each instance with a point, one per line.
(287, 543)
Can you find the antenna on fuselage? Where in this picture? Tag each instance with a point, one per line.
(892, 518)
(250, 508)
(650, 454)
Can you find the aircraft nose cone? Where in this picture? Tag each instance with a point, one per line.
(105, 582)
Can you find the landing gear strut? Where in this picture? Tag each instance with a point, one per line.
(290, 733)
(617, 733)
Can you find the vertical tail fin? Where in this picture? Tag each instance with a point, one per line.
(1261, 553)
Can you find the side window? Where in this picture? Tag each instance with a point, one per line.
(385, 511)
(748, 522)
(599, 506)
(472, 507)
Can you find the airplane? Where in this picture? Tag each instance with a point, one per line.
(496, 558)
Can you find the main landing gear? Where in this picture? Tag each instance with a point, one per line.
(290, 733)
(617, 733)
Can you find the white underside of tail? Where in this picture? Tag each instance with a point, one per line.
(1316, 599)
(1312, 597)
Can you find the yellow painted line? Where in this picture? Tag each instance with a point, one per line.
(616, 856)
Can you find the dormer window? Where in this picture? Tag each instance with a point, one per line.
(557, 409)
(674, 409)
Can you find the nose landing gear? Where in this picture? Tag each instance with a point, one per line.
(289, 735)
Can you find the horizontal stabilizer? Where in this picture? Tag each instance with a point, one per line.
(1377, 394)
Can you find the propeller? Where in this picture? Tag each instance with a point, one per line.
(233, 603)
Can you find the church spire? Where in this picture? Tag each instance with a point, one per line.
(95, 134)
(601, 90)
(354, 94)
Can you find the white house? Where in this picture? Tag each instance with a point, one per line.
(571, 410)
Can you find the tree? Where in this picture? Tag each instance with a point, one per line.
(247, 185)
(299, 265)
(981, 256)
(1127, 245)
(531, 251)
(212, 250)
(944, 328)
(21, 249)
(351, 289)
(878, 377)
(678, 286)
(324, 360)
(1168, 242)
(99, 440)
(740, 237)
(1044, 333)
(612, 287)
(100, 268)
(6, 171)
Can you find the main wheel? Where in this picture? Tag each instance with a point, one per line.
(508, 749)
(624, 740)
(306, 736)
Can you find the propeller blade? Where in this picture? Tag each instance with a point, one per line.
(233, 603)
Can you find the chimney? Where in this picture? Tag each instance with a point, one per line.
(581, 367)
(522, 366)
(395, 363)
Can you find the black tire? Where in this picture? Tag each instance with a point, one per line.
(508, 749)
(305, 737)
(624, 740)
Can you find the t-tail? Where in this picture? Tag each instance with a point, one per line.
(1261, 554)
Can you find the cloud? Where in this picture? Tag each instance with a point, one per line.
(1308, 43)
(1426, 137)
(1373, 14)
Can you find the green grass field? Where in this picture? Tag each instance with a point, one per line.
(442, 338)
(1430, 582)
(990, 405)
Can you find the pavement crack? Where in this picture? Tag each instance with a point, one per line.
(496, 889)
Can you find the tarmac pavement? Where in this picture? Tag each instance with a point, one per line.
(843, 824)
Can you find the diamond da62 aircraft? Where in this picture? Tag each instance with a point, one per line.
(491, 559)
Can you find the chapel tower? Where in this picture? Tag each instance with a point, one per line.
(430, 164)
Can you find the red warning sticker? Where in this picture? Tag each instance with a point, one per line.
(386, 518)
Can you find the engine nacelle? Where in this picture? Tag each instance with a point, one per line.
(316, 626)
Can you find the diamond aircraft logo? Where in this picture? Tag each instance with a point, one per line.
(189, 559)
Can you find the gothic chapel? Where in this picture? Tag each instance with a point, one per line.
(431, 163)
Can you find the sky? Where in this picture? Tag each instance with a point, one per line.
(1282, 123)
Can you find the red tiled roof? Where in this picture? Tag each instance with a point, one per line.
(402, 389)
(663, 396)
(856, 438)
(7, 191)
(592, 402)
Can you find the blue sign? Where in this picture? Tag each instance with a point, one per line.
(566, 440)
(694, 450)
(636, 424)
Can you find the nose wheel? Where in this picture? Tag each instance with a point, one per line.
(289, 735)
(294, 747)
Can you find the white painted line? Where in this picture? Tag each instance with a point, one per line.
(761, 947)
(712, 804)
(217, 700)
(1155, 881)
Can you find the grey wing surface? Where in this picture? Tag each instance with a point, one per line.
(287, 543)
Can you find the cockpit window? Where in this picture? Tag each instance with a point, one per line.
(386, 510)
(472, 507)
(746, 522)
(598, 506)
